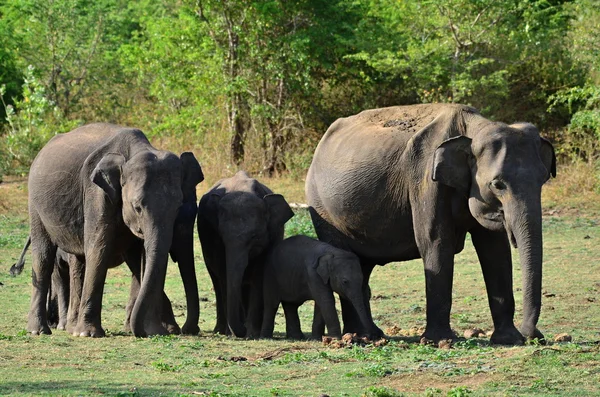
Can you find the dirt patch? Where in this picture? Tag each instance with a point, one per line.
(420, 382)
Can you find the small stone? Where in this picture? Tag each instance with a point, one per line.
(327, 340)
(380, 342)
(563, 338)
(473, 333)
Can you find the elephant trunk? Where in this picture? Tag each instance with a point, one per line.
(145, 316)
(358, 302)
(525, 230)
(237, 262)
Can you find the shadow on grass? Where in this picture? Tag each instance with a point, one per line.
(81, 387)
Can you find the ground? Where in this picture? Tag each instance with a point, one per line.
(122, 365)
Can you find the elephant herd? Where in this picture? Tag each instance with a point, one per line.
(385, 185)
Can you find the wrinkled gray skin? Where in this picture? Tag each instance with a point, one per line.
(238, 220)
(299, 269)
(405, 182)
(103, 193)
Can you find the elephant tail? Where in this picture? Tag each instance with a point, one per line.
(17, 268)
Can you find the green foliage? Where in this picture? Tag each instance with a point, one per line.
(375, 391)
(32, 121)
(261, 80)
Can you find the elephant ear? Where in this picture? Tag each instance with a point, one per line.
(191, 176)
(324, 267)
(279, 211)
(451, 163)
(107, 175)
(548, 156)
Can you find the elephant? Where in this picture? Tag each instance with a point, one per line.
(301, 268)
(238, 220)
(407, 182)
(105, 195)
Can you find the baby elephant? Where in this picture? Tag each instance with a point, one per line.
(299, 269)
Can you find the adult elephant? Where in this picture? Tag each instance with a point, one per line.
(405, 182)
(103, 194)
(238, 220)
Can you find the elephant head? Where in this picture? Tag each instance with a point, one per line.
(501, 171)
(248, 224)
(148, 190)
(342, 271)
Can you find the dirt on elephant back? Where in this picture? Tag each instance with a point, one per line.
(402, 119)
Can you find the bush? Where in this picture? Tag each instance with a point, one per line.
(30, 124)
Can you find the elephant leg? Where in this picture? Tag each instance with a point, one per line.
(183, 248)
(352, 321)
(76, 276)
(254, 314)
(52, 311)
(60, 285)
(214, 258)
(293, 330)
(220, 286)
(271, 304)
(493, 250)
(98, 261)
(326, 303)
(168, 317)
(133, 259)
(439, 267)
(318, 325)
(43, 252)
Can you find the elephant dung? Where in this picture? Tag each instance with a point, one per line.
(563, 338)
(474, 333)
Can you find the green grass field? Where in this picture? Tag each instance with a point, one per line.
(212, 365)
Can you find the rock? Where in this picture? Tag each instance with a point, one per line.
(473, 333)
(327, 340)
(563, 338)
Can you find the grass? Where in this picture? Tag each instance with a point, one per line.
(213, 365)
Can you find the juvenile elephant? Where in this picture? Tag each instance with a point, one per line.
(301, 268)
(405, 182)
(238, 220)
(103, 193)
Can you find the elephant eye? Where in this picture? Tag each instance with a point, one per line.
(137, 208)
(497, 185)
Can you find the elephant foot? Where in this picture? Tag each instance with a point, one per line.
(295, 335)
(154, 329)
(507, 336)
(190, 329)
(435, 335)
(36, 327)
(375, 333)
(172, 329)
(531, 333)
(62, 325)
(89, 331)
(222, 329)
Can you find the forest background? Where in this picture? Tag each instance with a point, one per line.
(254, 84)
